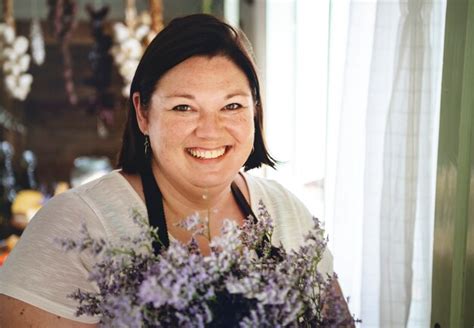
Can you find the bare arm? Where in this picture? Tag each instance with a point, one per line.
(18, 314)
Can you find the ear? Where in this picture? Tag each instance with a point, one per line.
(141, 113)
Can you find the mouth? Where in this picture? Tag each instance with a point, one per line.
(207, 154)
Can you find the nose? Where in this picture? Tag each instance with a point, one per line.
(209, 125)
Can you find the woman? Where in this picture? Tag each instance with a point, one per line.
(195, 120)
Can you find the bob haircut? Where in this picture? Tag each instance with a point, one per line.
(185, 37)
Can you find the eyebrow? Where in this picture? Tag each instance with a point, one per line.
(190, 96)
(179, 95)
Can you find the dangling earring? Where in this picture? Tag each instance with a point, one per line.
(146, 145)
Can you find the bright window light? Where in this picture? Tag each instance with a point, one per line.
(297, 95)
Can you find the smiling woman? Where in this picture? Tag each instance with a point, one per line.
(195, 120)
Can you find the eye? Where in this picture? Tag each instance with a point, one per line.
(182, 108)
(233, 106)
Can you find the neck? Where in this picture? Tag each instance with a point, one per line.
(183, 200)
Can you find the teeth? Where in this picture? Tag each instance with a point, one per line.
(207, 154)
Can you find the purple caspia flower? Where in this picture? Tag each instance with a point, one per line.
(151, 292)
(121, 313)
(245, 281)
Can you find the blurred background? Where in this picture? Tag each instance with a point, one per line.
(367, 107)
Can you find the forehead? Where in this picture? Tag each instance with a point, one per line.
(204, 72)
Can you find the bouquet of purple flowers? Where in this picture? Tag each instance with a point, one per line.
(244, 282)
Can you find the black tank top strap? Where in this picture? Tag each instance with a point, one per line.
(154, 206)
(242, 202)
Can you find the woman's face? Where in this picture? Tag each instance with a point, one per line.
(200, 122)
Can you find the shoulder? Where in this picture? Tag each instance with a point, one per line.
(291, 218)
(68, 210)
(83, 195)
(108, 201)
(110, 186)
(274, 196)
(62, 216)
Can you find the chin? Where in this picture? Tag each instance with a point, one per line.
(211, 180)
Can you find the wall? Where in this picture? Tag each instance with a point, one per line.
(453, 249)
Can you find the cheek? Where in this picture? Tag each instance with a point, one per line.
(167, 133)
(242, 128)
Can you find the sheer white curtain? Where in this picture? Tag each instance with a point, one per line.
(352, 107)
(381, 159)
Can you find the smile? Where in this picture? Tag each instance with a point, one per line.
(206, 153)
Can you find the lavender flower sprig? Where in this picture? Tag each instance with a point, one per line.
(244, 282)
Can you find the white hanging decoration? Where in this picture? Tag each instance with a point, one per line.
(15, 62)
(129, 39)
(38, 52)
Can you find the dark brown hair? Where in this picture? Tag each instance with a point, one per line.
(185, 37)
